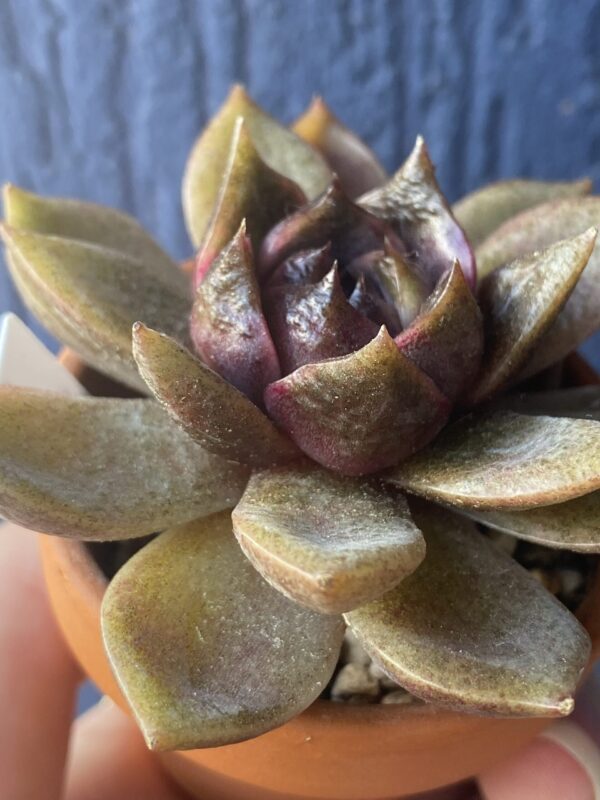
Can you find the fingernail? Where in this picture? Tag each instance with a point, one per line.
(579, 744)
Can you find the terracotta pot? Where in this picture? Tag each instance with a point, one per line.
(332, 751)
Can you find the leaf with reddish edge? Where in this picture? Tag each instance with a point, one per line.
(471, 629)
(204, 650)
(307, 266)
(314, 322)
(501, 460)
(280, 148)
(399, 282)
(333, 218)
(534, 230)
(362, 412)
(213, 412)
(228, 327)
(482, 211)
(446, 339)
(520, 301)
(574, 525)
(327, 541)
(348, 156)
(250, 190)
(413, 203)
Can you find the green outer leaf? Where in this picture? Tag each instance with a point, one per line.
(250, 190)
(348, 156)
(210, 410)
(98, 468)
(326, 541)
(472, 630)
(91, 223)
(520, 301)
(503, 460)
(205, 651)
(534, 230)
(362, 412)
(574, 525)
(281, 149)
(482, 211)
(90, 296)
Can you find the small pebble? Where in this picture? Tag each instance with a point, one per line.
(384, 680)
(548, 578)
(352, 651)
(354, 684)
(571, 581)
(398, 697)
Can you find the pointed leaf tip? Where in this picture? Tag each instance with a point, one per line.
(414, 205)
(520, 301)
(347, 155)
(279, 148)
(228, 326)
(434, 633)
(247, 177)
(359, 413)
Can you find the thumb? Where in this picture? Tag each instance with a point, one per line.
(564, 762)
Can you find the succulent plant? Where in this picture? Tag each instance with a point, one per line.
(345, 372)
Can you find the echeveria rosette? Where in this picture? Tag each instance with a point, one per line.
(332, 393)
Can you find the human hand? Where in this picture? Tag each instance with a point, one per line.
(45, 755)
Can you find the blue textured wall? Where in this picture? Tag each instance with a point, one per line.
(102, 98)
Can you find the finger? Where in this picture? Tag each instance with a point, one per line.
(38, 677)
(558, 765)
(108, 760)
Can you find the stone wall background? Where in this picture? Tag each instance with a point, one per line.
(101, 99)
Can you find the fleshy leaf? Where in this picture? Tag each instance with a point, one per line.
(348, 156)
(314, 322)
(473, 630)
(582, 402)
(398, 281)
(484, 210)
(279, 147)
(205, 651)
(89, 297)
(306, 266)
(213, 412)
(92, 223)
(503, 460)
(98, 468)
(366, 297)
(361, 412)
(327, 541)
(333, 218)
(228, 327)
(520, 301)
(534, 230)
(250, 190)
(413, 203)
(574, 525)
(446, 339)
